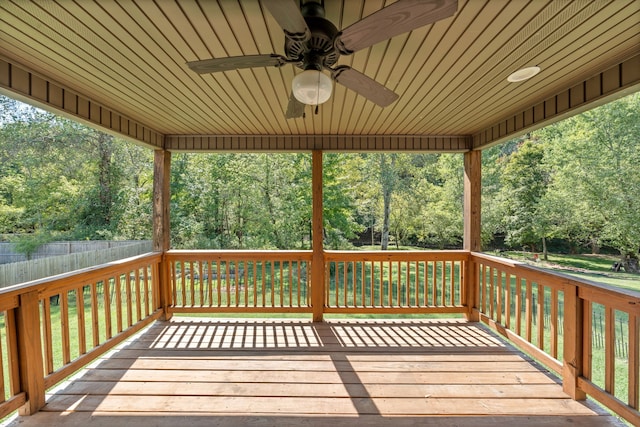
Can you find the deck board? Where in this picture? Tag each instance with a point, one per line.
(284, 372)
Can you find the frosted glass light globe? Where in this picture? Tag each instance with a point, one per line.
(312, 87)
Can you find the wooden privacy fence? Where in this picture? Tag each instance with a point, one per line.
(25, 271)
(50, 328)
(559, 319)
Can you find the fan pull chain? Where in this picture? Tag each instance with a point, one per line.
(316, 110)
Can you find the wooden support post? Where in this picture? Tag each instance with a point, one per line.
(161, 236)
(317, 263)
(30, 352)
(472, 227)
(572, 362)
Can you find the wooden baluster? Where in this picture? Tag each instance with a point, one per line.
(236, 281)
(119, 314)
(507, 300)
(255, 284)
(634, 360)
(529, 309)
(434, 286)
(245, 272)
(587, 338)
(554, 323)
(82, 331)
(48, 336)
(94, 315)
(128, 298)
(499, 295)
(202, 281)
(363, 298)
(483, 271)
(227, 283)
(174, 282)
(518, 305)
(299, 282)
(13, 353)
(452, 284)
(492, 295)
(147, 300)
(354, 282)
(195, 270)
(444, 284)
(263, 281)
(290, 264)
(64, 327)
(540, 316)
(107, 308)
(609, 350)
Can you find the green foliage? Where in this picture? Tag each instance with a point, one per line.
(575, 182)
(28, 244)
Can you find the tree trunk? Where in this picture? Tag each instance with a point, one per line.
(631, 264)
(544, 249)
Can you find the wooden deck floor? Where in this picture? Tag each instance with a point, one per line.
(199, 372)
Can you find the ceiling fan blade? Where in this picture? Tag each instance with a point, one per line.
(287, 14)
(397, 18)
(215, 65)
(295, 108)
(363, 85)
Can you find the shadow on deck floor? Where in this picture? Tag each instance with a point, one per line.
(265, 372)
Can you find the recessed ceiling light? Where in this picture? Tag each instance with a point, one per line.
(523, 74)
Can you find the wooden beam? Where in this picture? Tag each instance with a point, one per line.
(328, 143)
(618, 81)
(572, 360)
(20, 83)
(472, 200)
(317, 262)
(30, 352)
(472, 228)
(161, 221)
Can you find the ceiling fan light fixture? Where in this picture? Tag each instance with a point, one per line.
(312, 87)
(523, 74)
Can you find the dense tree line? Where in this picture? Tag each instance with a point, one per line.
(573, 184)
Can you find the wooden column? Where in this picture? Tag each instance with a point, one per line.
(317, 263)
(572, 359)
(161, 230)
(472, 226)
(30, 352)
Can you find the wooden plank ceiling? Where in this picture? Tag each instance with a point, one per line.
(130, 57)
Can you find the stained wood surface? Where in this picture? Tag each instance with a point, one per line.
(289, 373)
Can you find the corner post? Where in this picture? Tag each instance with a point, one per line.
(30, 352)
(317, 263)
(161, 230)
(572, 354)
(472, 227)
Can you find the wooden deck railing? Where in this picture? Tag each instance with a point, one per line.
(586, 332)
(239, 281)
(395, 282)
(54, 326)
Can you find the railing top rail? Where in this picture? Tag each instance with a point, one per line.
(452, 255)
(238, 255)
(562, 279)
(86, 274)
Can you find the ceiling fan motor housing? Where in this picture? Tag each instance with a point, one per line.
(317, 52)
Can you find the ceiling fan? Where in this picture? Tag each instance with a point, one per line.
(313, 44)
